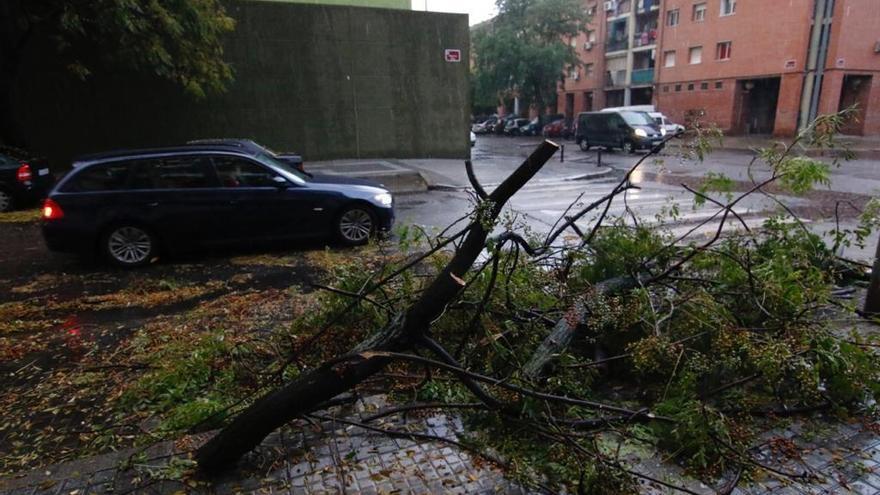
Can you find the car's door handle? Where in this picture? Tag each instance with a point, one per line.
(153, 204)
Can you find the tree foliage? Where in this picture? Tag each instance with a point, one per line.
(177, 40)
(525, 49)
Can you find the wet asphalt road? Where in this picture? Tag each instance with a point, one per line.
(547, 197)
(538, 205)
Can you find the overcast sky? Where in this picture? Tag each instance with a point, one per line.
(479, 10)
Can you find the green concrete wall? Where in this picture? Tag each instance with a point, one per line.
(326, 81)
(385, 4)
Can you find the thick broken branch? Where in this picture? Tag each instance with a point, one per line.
(562, 334)
(305, 393)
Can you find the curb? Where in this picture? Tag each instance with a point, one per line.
(596, 174)
(401, 182)
(862, 154)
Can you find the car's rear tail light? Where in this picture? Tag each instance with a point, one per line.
(51, 210)
(24, 173)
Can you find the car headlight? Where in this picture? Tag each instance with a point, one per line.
(662, 131)
(641, 133)
(383, 199)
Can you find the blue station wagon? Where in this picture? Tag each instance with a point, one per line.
(129, 206)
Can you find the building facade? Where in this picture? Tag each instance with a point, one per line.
(749, 66)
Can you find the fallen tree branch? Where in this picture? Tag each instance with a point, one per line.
(308, 390)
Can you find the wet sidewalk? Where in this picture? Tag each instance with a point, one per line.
(328, 455)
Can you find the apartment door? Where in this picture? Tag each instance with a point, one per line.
(569, 106)
(854, 92)
(758, 104)
(588, 101)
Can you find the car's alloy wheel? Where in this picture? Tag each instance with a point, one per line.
(129, 245)
(585, 145)
(627, 147)
(5, 201)
(355, 226)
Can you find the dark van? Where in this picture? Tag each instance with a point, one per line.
(627, 130)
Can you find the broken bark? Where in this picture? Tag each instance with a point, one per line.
(563, 333)
(305, 393)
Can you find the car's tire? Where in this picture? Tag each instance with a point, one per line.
(584, 145)
(355, 225)
(6, 201)
(129, 245)
(627, 147)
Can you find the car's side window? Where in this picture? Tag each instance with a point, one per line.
(142, 175)
(183, 172)
(239, 172)
(102, 177)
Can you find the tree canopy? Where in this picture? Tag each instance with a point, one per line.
(177, 40)
(525, 49)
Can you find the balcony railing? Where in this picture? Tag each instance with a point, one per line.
(643, 76)
(614, 45)
(645, 38)
(615, 78)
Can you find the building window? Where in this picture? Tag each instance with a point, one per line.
(728, 7)
(695, 55)
(669, 58)
(591, 10)
(672, 17)
(666, 88)
(573, 73)
(719, 84)
(722, 51)
(691, 87)
(591, 36)
(588, 70)
(699, 12)
(704, 86)
(678, 88)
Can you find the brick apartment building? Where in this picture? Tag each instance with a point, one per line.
(750, 66)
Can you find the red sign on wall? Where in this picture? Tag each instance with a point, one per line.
(452, 55)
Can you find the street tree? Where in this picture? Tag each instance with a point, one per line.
(525, 49)
(680, 341)
(176, 40)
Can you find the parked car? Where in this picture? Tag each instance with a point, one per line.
(514, 126)
(22, 183)
(130, 206)
(665, 124)
(502, 124)
(557, 128)
(292, 158)
(485, 126)
(533, 128)
(627, 130)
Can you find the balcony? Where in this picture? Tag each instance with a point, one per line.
(615, 78)
(616, 45)
(643, 76)
(645, 38)
(646, 5)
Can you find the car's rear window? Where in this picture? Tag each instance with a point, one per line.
(101, 177)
